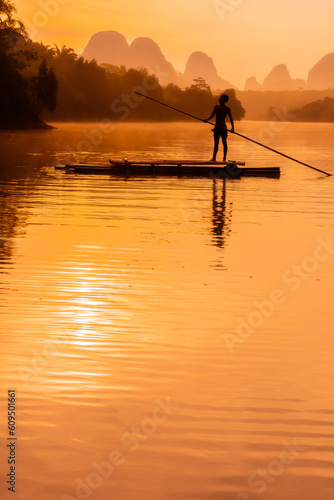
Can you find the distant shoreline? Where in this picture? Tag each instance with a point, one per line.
(185, 121)
(10, 127)
(44, 126)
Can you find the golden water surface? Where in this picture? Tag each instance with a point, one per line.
(166, 338)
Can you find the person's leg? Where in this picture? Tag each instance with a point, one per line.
(215, 149)
(225, 147)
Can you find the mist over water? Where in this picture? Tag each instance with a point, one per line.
(168, 338)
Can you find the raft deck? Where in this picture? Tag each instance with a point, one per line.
(169, 168)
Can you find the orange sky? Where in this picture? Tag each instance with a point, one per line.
(244, 37)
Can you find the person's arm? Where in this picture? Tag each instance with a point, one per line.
(212, 115)
(231, 120)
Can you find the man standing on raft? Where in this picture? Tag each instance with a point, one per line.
(221, 111)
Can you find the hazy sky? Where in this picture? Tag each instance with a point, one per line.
(244, 37)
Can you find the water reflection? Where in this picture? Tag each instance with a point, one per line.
(111, 302)
(11, 221)
(221, 216)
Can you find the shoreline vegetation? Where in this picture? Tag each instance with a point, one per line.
(40, 83)
(34, 124)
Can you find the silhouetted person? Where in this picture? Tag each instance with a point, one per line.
(221, 111)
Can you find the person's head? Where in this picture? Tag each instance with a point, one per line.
(223, 98)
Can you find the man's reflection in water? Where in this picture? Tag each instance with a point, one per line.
(221, 216)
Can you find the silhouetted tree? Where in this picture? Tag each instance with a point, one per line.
(200, 84)
(12, 88)
(197, 98)
(44, 89)
(237, 110)
(16, 54)
(11, 29)
(321, 110)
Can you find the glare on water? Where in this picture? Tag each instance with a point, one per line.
(168, 338)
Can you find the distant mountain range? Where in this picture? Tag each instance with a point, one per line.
(112, 47)
(320, 77)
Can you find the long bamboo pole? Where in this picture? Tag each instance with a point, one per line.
(236, 133)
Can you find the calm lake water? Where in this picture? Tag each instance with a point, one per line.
(168, 339)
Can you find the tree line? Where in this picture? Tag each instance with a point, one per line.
(39, 82)
(321, 110)
(22, 98)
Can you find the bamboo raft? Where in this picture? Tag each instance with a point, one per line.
(172, 168)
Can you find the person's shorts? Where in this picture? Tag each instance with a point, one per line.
(219, 132)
